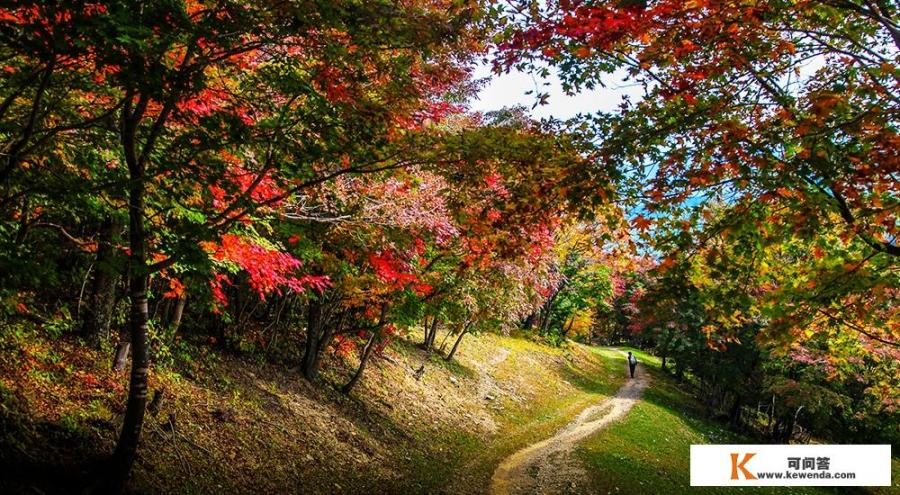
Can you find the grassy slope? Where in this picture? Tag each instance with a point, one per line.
(596, 378)
(649, 451)
(249, 427)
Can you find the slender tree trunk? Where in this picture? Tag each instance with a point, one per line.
(455, 346)
(546, 314)
(177, 314)
(568, 327)
(425, 329)
(327, 334)
(126, 448)
(285, 308)
(784, 430)
(430, 334)
(665, 349)
(314, 332)
(735, 414)
(462, 334)
(319, 332)
(444, 341)
(784, 427)
(99, 310)
(363, 359)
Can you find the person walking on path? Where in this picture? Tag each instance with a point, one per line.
(632, 363)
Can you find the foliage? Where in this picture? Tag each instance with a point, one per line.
(760, 167)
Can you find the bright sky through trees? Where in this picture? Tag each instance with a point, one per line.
(512, 89)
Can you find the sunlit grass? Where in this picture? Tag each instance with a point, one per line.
(649, 451)
(586, 374)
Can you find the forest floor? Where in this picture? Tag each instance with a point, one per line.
(238, 424)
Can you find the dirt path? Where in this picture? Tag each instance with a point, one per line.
(549, 466)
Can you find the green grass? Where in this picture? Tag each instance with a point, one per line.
(523, 428)
(649, 451)
(470, 461)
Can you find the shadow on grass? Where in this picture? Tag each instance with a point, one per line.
(373, 424)
(408, 348)
(591, 381)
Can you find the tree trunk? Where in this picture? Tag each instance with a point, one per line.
(327, 334)
(444, 341)
(455, 346)
(319, 333)
(139, 281)
(175, 322)
(546, 314)
(784, 429)
(363, 359)
(567, 327)
(425, 328)
(99, 310)
(462, 334)
(664, 351)
(430, 334)
(547, 309)
(314, 331)
(735, 414)
(126, 449)
(121, 360)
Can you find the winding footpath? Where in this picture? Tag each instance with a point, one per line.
(549, 466)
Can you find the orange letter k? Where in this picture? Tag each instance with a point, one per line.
(735, 466)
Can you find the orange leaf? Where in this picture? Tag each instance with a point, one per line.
(642, 223)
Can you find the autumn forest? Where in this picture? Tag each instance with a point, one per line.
(270, 246)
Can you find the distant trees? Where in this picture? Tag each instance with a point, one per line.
(579, 286)
(712, 314)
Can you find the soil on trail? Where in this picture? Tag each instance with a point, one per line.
(550, 466)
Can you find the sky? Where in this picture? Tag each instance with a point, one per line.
(510, 89)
